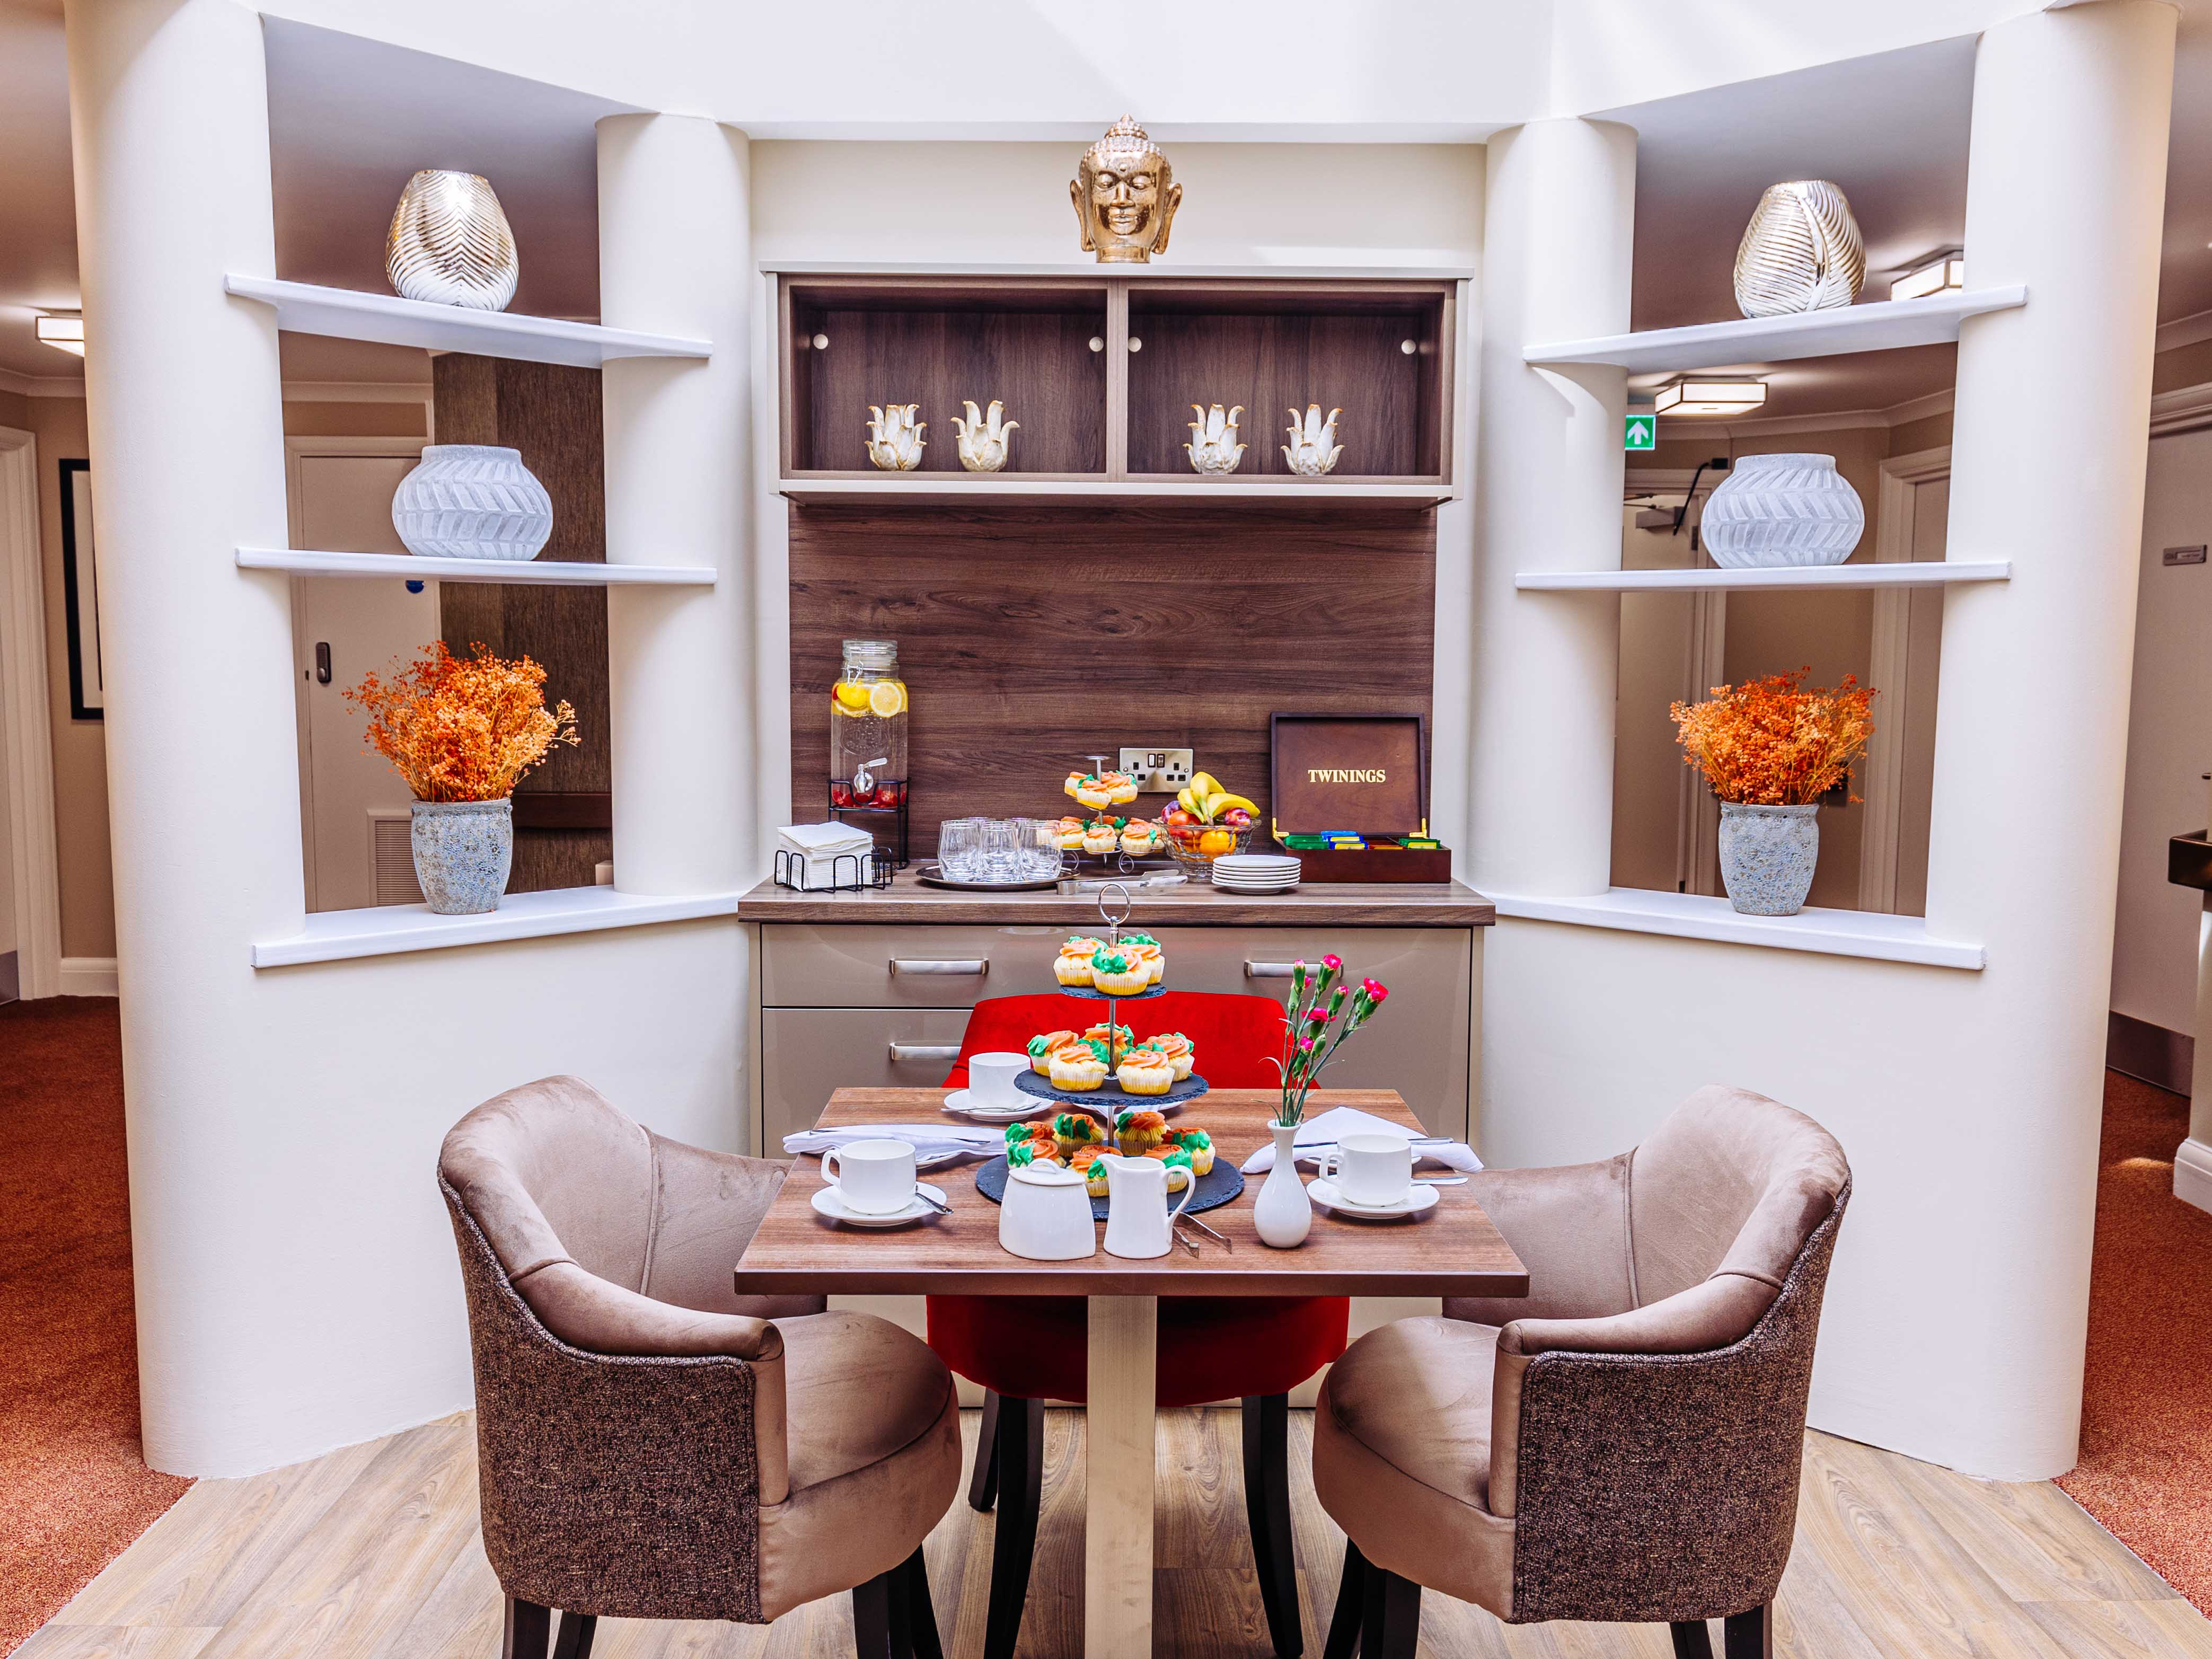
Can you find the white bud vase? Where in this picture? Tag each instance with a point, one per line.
(1282, 1215)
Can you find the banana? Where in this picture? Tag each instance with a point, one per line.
(1186, 798)
(1203, 784)
(1220, 803)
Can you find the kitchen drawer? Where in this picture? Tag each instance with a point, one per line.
(808, 1054)
(904, 966)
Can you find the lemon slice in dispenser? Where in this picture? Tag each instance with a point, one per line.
(886, 698)
(851, 696)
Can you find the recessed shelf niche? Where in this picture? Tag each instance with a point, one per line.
(1275, 347)
(853, 342)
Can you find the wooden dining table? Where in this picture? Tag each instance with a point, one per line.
(1452, 1250)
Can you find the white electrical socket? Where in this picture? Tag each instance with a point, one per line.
(1157, 771)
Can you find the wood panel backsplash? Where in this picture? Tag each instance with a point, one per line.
(1031, 636)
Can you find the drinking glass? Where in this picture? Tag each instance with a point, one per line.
(999, 850)
(959, 845)
(1040, 848)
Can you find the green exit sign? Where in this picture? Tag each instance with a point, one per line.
(1642, 432)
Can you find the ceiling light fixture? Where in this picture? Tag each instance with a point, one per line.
(1709, 396)
(1939, 273)
(64, 331)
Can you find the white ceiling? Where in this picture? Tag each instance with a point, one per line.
(350, 119)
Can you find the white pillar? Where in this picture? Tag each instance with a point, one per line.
(170, 119)
(2065, 193)
(676, 257)
(1558, 219)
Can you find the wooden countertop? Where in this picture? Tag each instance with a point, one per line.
(1315, 904)
(1452, 1251)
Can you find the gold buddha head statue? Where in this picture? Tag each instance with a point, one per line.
(1125, 196)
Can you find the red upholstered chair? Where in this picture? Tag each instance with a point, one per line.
(1026, 1350)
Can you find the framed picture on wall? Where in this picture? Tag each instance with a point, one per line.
(81, 592)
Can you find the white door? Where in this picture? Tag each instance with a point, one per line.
(343, 627)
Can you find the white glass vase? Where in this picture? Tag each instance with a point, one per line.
(1282, 1215)
(472, 502)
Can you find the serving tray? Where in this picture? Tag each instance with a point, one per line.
(1109, 1096)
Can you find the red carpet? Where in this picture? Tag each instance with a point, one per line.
(2147, 1394)
(76, 1493)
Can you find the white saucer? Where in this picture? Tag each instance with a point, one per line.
(958, 1103)
(827, 1202)
(1422, 1199)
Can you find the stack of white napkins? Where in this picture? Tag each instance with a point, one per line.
(1323, 1132)
(939, 1141)
(817, 847)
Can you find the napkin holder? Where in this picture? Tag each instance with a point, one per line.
(1363, 772)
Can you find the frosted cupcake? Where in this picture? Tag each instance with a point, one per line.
(1120, 788)
(1100, 839)
(1086, 1164)
(1136, 1133)
(1073, 1131)
(1139, 839)
(1146, 949)
(1092, 792)
(1072, 967)
(1146, 1073)
(1111, 1040)
(1197, 1144)
(1180, 1171)
(1041, 1047)
(1079, 1068)
(1118, 974)
(1177, 1047)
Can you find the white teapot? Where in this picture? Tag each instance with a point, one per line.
(1046, 1215)
(1139, 1223)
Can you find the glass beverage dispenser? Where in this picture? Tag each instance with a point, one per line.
(867, 744)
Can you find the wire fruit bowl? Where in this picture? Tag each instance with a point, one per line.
(1185, 840)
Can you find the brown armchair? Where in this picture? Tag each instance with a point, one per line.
(1624, 1443)
(651, 1446)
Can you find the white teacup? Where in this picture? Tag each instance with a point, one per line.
(1374, 1169)
(991, 1078)
(873, 1177)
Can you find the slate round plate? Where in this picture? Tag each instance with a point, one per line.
(1109, 1096)
(1216, 1186)
(1092, 993)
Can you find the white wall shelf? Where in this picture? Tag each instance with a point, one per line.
(1694, 916)
(538, 573)
(938, 489)
(1882, 326)
(348, 313)
(389, 930)
(1934, 574)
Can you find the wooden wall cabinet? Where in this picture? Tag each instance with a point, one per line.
(1102, 372)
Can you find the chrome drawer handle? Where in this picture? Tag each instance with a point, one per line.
(1267, 969)
(905, 1051)
(972, 967)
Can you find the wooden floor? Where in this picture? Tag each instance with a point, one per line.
(372, 1553)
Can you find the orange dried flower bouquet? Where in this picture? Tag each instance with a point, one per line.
(463, 728)
(1772, 743)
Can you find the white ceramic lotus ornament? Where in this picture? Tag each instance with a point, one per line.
(895, 439)
(1313, 447)
(1213, 446)
(982, 438)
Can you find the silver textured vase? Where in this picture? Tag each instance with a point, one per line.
(1801, 251)
(449, 244)
(1778, 510)
(471, 501)
(1768, 855)
(462, 852)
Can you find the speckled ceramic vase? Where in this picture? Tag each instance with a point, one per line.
(463, 851)
(1767, 856)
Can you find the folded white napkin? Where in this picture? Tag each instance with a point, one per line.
(1323, 1132)
(819, 840)
(929, 1140)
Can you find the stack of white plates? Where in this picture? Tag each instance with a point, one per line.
(1255, 872)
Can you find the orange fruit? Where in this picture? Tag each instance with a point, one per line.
(1214, 842)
